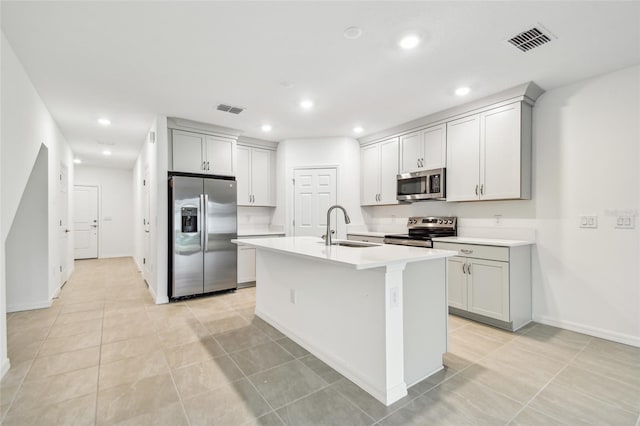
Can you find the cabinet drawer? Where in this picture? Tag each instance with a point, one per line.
(476, 251)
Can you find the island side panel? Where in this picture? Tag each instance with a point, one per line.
(339, 315)
(425, 319)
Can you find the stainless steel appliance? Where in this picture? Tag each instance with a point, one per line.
(422, 185)
(203, 222)
(423, 229)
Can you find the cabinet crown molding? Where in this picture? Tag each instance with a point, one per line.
(526, 92)
(257, 143)
(198, 127)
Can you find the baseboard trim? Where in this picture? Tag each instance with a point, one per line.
(591, 331)
(387, 398)
(4, 367)
(159, 300)
(29, 306)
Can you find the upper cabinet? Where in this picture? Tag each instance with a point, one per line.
(424, 150)
(256, 180)
(202, 153)
(379, 168)
(489, 155)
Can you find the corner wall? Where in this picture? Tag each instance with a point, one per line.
(26, 125)
(586, 161)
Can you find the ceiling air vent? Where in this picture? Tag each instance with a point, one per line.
(530, 39)
(230, 109)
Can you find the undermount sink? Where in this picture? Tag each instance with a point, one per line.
(354, 244)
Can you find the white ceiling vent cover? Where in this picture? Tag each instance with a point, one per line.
(230, 109)
(532, 38)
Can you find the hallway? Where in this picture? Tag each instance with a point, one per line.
(105, 354)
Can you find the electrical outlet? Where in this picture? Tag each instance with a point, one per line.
(625, 222)
(292, 296)
(588, 221)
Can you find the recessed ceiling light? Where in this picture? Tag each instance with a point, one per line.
(409, 41)
(286, 84)
(104, 121)
(77, 160)
(266, 127)
(461, 91)
(306, 104)
(352, 33)
(358, 129)
(106, 152)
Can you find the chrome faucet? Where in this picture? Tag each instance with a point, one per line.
(327, 240)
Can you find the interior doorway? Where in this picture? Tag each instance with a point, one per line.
(85, 221)
(146, 227)
(315, 190)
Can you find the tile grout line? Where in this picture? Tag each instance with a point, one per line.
(173, 380)
(13, 399)
(95, 411)
(526, 404)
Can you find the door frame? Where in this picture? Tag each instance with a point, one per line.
(99, 218)
(64, 201)
(291, 211)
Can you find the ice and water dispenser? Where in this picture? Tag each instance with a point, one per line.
(189, 219)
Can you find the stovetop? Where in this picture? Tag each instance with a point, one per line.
(423, 229)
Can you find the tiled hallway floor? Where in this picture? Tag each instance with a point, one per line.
(105, 354)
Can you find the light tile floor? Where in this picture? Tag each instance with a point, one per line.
(105, 354)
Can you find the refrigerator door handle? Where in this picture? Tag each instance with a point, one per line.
(204, 221)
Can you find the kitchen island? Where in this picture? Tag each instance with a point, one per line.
(377, 315)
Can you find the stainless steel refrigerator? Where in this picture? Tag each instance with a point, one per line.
(203, 223)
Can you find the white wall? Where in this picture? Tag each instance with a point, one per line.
(585, 162)
(153, 159)
(342, 152)
(27, 124)
(115, 210)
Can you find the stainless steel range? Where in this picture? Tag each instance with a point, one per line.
(423, 229)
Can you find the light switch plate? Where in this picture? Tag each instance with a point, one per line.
(588, 221)
(625, 222)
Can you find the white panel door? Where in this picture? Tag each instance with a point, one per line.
(314, 192)
(435, 143)
(63, 229)
(457, 282)
(220, 156)
(488, 292)
(370, 174)
(85, 222)
(243, 176)
(412, 152)
(463, 159)
(388, 172)
(500, 153)
(188, 152)
(146, 227)
(261, 177)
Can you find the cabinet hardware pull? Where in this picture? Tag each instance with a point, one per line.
(418, 162)
(208, 166)
(476, 189)
(204, 165)
(469, 268)
(463, 271)
(482, 189)
(466, 251)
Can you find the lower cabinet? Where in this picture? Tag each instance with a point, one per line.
(490, 284)
(247, 261)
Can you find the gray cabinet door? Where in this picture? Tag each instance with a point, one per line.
(220, 254)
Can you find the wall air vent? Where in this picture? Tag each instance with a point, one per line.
(230, 109)
(527, 40)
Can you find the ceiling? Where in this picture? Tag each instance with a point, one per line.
(129, 61)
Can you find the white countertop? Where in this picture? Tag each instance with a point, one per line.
(360, 258)
(483, 241)
(369, 233)
(258, 233)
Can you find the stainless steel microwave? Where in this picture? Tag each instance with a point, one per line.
(422, 185)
